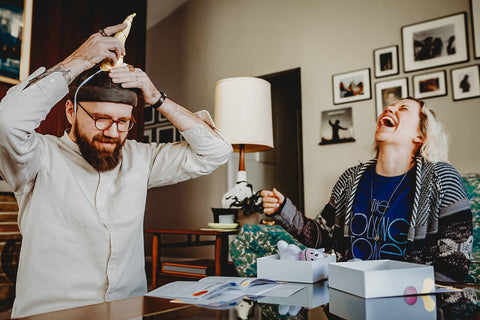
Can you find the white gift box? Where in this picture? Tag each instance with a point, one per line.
(348, 306)
(381, 278)
(271, 267)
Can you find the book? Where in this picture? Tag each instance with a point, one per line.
(202, 267)
(216, 291)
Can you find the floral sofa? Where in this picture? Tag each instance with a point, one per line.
(472, 185)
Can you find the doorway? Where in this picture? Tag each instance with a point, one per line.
(287, 155)
(281, 167)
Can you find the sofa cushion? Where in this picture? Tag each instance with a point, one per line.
(255, 241)
(472, 185)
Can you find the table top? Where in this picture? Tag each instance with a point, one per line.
(200, 231)
(315, 301)
(119, 309)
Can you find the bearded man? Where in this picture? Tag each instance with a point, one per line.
(82, 196)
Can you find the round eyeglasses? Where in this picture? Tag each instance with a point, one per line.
(105, 123)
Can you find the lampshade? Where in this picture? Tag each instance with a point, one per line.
(243, 112)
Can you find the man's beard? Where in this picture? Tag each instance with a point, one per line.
(101, 160)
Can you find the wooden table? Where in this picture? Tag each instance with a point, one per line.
(156, 308)
(192, 240)
(119, 309)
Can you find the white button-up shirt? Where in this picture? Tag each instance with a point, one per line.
(83, 229)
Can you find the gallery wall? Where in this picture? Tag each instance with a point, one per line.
(207, 40)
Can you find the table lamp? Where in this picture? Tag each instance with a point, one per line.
(243, 114)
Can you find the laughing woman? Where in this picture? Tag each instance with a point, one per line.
(406, 204)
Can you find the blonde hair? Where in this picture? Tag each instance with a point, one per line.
(435, 144)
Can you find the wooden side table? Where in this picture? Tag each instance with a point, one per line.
(192, 240)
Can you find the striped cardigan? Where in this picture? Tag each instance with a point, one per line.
(440, 232)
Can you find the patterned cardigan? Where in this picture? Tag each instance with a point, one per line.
(440, 232)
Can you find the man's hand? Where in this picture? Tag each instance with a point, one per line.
(94, 50)
(271, 201)
(131, 77)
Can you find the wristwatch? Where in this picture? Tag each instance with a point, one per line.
(160, 101)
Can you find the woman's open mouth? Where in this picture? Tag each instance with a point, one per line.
(388, 121)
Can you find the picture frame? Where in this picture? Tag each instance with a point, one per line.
(429, 85)
(433, 43)
(179, 136)
(475, 16)
(148, 115)
(465, 82)
(385, 61)
(148, 136)
(387, 92)
(225, 215)
(336, 126)
(16, 38)
(351, 86)
(165, 134)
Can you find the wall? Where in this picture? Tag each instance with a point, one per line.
(207, 40)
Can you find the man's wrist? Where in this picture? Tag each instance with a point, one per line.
(160, 100)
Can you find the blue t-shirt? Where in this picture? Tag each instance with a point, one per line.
(390, 231)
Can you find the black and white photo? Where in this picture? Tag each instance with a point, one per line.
(434, 43)
(465, 82)
(337, 126)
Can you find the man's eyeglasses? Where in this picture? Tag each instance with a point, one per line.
(105, 123)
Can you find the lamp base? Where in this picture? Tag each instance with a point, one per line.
(241, 190)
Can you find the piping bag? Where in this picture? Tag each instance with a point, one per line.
(122, 35)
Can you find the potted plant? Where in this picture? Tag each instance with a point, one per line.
(249, 208)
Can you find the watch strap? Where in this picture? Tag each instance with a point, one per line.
(160, 101)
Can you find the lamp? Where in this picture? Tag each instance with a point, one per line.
(243, 113)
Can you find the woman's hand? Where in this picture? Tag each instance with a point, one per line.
(271, 201)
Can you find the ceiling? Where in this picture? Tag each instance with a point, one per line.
(157, 10)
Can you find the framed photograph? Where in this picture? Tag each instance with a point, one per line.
(147, 136)
(475, 10)
(387, 92)
(15, 38)
(351, 86)
(465, 82)
(430, 85)
(160, 117)
(165, 134)
(179, 136)
(337, 126)
(385, 61)
(148, 115)
(434, 43)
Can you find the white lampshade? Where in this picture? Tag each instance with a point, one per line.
(243, 112)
